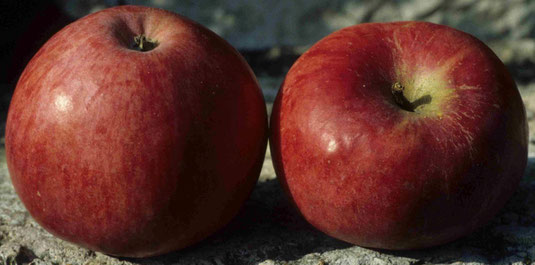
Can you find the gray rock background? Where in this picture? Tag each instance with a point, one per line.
(265, 24)
(272, 34)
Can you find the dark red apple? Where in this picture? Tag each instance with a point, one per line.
(135, 131)
(399, 135)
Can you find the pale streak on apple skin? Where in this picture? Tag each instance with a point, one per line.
(467, 87)
(460, 144)
(396, 42)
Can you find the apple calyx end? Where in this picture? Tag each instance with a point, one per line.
(400, 99)
(143, 44)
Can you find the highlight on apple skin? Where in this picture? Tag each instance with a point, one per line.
(135, 132)
(401, 135)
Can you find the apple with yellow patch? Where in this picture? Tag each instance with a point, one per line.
(399, 135)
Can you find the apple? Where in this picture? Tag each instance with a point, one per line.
(401, 135)
(134, 132)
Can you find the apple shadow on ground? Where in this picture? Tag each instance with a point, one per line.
(268, 227)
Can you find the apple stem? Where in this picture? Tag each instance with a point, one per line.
(401, 100)
(142, 43)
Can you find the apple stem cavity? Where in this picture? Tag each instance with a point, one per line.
(143, 44)
(400, 99)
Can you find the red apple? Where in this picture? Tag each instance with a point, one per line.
(399, 135)
(135, 131)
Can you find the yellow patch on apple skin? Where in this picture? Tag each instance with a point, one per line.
(429, 89)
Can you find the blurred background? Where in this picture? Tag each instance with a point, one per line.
(271, 34)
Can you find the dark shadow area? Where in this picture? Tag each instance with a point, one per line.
(274, 61)
(25, 25)
(25, 256)
(529, 173)
(523, 72)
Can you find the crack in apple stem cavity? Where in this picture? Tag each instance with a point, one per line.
(400, 99)
(143, 44)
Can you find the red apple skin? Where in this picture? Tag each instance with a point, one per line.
(135, 153)
(363, 170)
